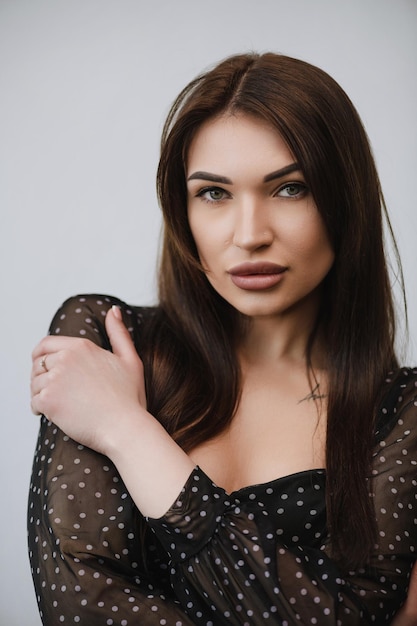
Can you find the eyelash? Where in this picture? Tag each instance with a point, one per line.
(302, 191)
(202, 192)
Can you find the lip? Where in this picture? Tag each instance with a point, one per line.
(256, 276)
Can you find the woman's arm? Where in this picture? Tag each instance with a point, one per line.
(91, 564)
(223, 560)
(98, 398)
(233, 562)
(407, 616)
(85, 542)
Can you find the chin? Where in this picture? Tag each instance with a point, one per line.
(259, 311)
(298, 308)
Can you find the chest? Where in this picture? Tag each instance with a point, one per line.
(276, 431)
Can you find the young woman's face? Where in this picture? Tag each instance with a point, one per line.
(257, 230)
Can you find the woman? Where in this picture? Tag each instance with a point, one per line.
(256, 464)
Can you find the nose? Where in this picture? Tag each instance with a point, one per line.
(252, 230)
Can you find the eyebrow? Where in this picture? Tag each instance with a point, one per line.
(216, 178)
(288, 169)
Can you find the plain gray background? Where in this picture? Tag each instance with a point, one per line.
(84, 89)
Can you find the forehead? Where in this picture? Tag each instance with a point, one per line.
(230, 140)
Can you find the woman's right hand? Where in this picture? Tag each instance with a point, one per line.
(407, 616)
(98, 398)
(89, 392)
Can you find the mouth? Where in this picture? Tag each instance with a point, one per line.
(256, 276)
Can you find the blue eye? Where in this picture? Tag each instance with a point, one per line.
(292, 190)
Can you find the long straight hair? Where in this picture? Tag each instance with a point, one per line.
(193, 377)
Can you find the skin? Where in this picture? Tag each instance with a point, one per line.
(98, 397)
(255, 218)
(407, 616)
(248, 203)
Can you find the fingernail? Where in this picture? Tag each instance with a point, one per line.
(116, 312)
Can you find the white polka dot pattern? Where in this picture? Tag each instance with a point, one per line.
(257, 556)
(85, 533)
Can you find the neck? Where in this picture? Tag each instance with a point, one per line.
(276, 349)
(284, 338)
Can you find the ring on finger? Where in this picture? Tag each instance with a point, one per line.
(43, 363)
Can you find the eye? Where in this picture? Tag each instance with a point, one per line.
(212, 194)
(292, 190)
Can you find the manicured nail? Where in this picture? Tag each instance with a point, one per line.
(116, 312)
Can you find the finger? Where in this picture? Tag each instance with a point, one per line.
(35, 405)
(52, 343)
(42, 364)
(34, 410)
(121, 342)
(38, 367)
(38, 383)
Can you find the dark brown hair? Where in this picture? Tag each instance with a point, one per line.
(193, 376)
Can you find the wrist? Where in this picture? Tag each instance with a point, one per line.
(153, 467)
(130, 426)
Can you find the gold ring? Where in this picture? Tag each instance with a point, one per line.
(43, 363)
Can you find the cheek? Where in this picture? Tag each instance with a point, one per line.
(320, 253)
(209, 256)
(311, 245)
(210, 239)
(204, 244)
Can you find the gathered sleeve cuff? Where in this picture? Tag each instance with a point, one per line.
(190, 523)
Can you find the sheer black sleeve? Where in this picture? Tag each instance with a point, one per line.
(256, 556)
(230, 556)
(91, 563)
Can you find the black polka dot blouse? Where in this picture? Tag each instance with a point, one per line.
(256, 556)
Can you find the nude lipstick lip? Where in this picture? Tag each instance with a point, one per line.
(256, 276)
